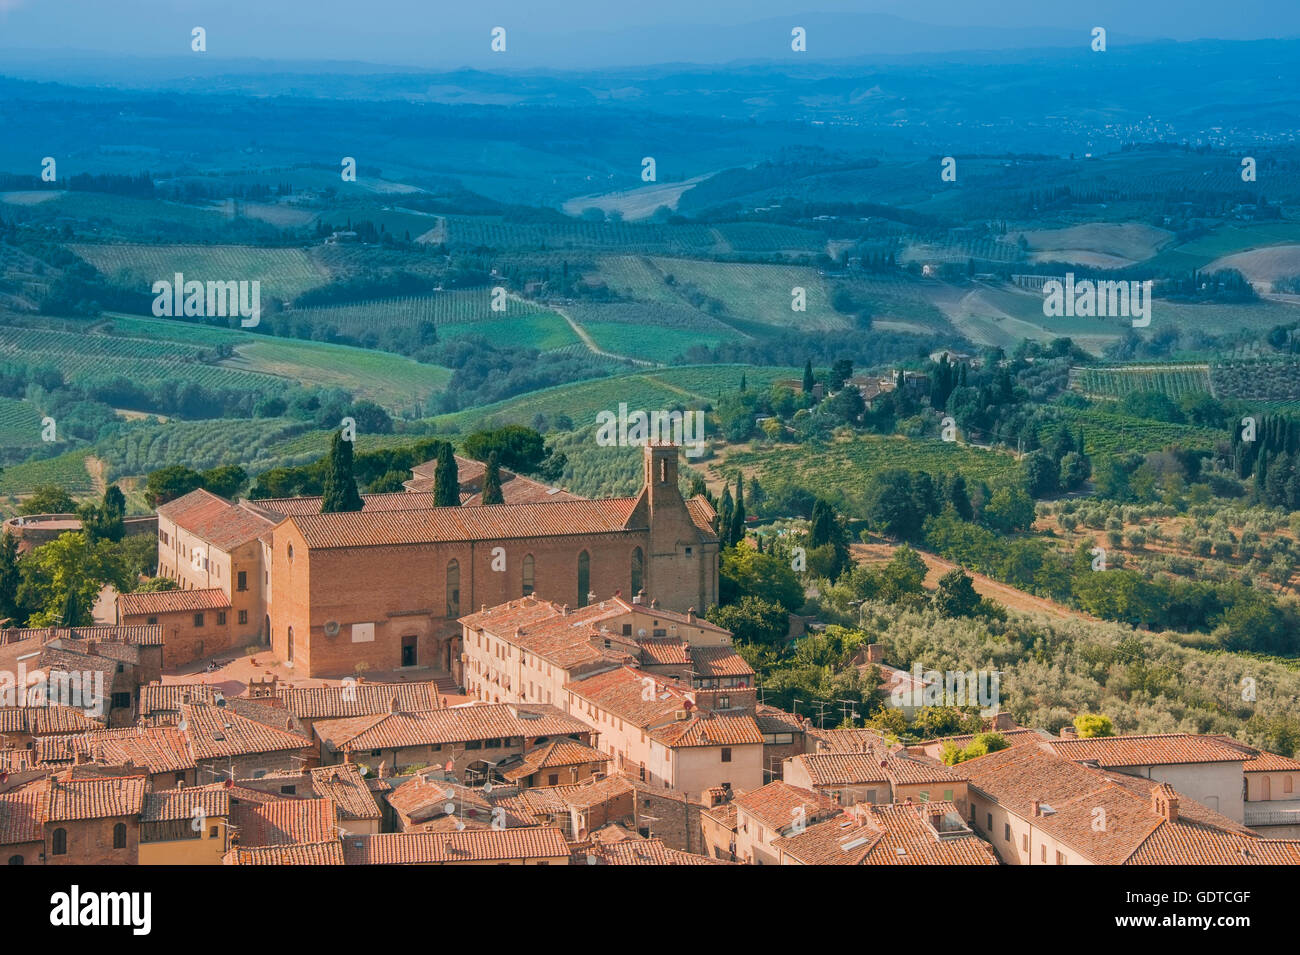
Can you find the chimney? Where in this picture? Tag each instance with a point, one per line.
(1069, 732)
(1035, 807)
(392, 704)
(1164, 802)
(690, 614)
(639, 597)
(564, 611)
(347, 756)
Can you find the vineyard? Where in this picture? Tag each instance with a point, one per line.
(759, 293)
(20, 424)
(146, 446)
(1116, 381)
(283, 273)
(495, 233)
(68, 471)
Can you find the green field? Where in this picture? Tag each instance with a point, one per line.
(20, 424)
(1106, 432)
(455, 313)
(399, 384)
(68, 471)
(759, 293)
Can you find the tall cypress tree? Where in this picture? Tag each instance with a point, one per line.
(492, 481)
(340, 485)
(446, 481)
(808, 377)
(724, 517)
(738, 512)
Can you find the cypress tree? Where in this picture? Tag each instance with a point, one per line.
(340, 485)
(724, 517)
(492, 481)
(446, 482)
(738, 512)
(808, 377)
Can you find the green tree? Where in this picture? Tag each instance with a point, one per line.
(340, 484)
(1010, 510)
(746, 572)
(446, 480)
(10, 578)
(808, 380)
(226, 481)
(167, 484)
(48, 499)
(956, 596)
(1088, 725)
(492, 481)
(753, 620)
(64, 578)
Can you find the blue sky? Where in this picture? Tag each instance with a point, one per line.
(435, 33)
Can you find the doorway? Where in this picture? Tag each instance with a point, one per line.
(408, 651)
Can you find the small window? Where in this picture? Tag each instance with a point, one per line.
(151, 621)
(242, 578)
(947, 795)
(290, 551)
(989, 827)
(1024, 842)
(243, 617)
(289, 790)
(198, 620)
(726, 754)
(1042, 853)
(59, 842)
(553, 779)
(1061, 858)
(15, 860)
(1006, 832)
(119, 836)
(213, 832)
(221, 618)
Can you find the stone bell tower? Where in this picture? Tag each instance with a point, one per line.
(681, 560)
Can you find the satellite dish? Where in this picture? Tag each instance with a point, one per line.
(332, 628)
(641, 632)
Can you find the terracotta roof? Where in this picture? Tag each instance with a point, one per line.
(1070, 795)
(770, 719)
(359, 699)
(168, 697)
(470, 845)
(154, 749)
(709, 729)
(1271, 763)
(1157, 750)
(664, 652)
(345, 785)
(220, 523)
(496, 523)
(318, 853)
(713, 663)
(845, 741)
(22, 813)
(214, 732)
(45, 720)
(453, 725)
(927, 834)
(285, 822)
(177, 804)
(556, 753)
(778, 804)
(93, 797)
(172, 601)
(641, 852)
(135, 635)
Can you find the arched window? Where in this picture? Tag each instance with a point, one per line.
(528, 575)
(15, 860)
(638, 571)
(290, 645)
(119, 836)
(59, 842)
(584, 577)
(453, 588)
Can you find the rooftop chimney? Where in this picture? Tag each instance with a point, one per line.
(1035, 807)
(1164, 802)
(1069, 732)
(690, 614)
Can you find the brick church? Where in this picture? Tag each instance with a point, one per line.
(383, 587)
